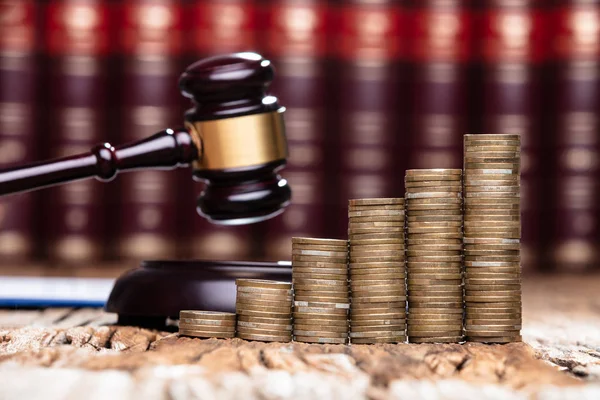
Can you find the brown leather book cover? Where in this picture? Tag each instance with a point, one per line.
(575, 166)
(365, 132)
(294, 39)
(512, 48)
(77, 47)
(441, 51)
(18, 121)
(215, 27)
(151, 44)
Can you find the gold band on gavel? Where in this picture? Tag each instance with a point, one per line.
(240, 141)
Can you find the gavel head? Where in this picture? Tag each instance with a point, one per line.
(240, 135)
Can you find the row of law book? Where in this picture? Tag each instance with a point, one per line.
(371, 88)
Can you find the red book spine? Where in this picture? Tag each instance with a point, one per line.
(576, 172)
(295, 41)
(77, 47)
(216, 27)
(512, 45)
(151, 46)
(367, 41)
(441, 51)
(17, 121)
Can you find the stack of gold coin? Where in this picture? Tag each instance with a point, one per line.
(264, 310)
(492, 227)
(434, 254)
(321, 300)
(377, 271)
(206, 324)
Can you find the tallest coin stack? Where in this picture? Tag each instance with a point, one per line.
(492, 231)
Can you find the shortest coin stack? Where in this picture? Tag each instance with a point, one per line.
(264, 310)
(321, 300)
(207, 324)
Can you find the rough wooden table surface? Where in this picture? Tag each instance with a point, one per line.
(65, 353)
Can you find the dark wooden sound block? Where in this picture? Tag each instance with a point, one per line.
(157, 290)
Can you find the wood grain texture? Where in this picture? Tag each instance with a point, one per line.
(78, 352)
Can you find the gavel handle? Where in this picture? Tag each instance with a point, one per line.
(169, 148)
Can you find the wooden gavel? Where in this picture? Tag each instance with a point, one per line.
(234, 138)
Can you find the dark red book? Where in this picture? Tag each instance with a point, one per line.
(295, 40)
(77, 47)
(575, 232)
(151, 43)
(441, 51)
(511, 44)
(18, 47)
(216, 27)
(366, 41)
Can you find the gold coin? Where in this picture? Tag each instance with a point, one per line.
(432, 328)
(440, 287)
(310, 339)
(319, 316)
(513, 234)
(399, 245)
(263, 314)
(493, 247)
(435, 259)
(359, 260)
(433, 292)
(245, 302)
(433, 281)
(375, 236)
(492, 218)
(425, 320)
(258, 325)
(424, 311)
(376, 213)
(395, 303)
(506, 264)
(472, 258)
(261, 296)
(491, 241)
(339, 277)
(485, 322)
(299, 332)
(318, 241)
(258, 291)
(510, 152)
(434, 299)
(432, 253)
(320, 282)
(377, 328)
(265, 320)
(207, 328)
(497, 306)
(500, 202)
(450, 179)
(485, 278)
(493, 316)
(433, 264)
(342, 271)
(264, 338)
(212, 322)
(434, 171)
(376, 252)
(321, 304)
(262, 283)
(435, 189)
(323, 299)
(377, 322)
(322, 322)
(441, 339)
(416, 272)
(485, 299)
(394, 265)
(366, 279)
(493, 287)
(514, 292)
(388, 314)
(396, 339)
(432, 304)
(321, 310)
(378, 202)
(457, 201)
(280, 331)
(377, 334)
(295, 258)
(491, 169)
(422, 334)
(322, 289)
(434, 207)
(321, 328)
(427, 213)
(374, 284)
(452, 195)
(200, 314)
(266, 309)
(205, 334)
(320, 293)
(490, 333)
(376, 242)
(319, 253)
(311, 248)
(364, 231)
(355, 221)
(435, 184)
(398, 207)
(434, 218)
